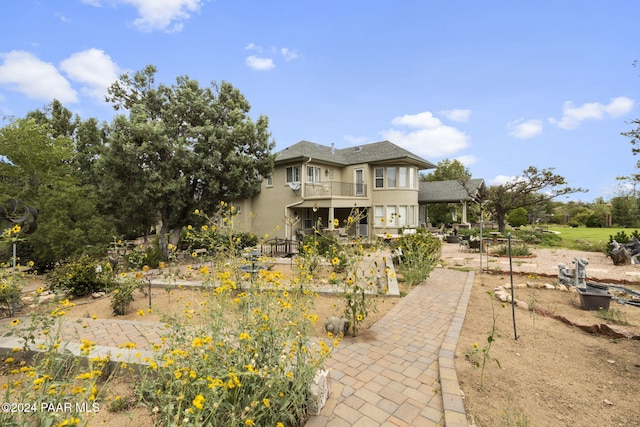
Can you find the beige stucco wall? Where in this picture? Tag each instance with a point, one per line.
(265, 212)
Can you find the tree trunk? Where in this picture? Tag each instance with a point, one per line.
(501, 220)
(162, 235)
(175, 236)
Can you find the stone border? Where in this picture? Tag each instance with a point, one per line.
(453, 405)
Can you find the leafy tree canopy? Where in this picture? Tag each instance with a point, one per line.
(533, 189)
(181, 147)
(38, 168)
(448, 170)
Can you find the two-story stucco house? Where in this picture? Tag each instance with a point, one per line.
(313, 183)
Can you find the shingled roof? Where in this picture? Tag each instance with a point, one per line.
(383, 151)
(448, 191)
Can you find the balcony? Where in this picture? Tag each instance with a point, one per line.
(334, 189)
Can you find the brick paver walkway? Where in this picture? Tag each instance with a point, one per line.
(401, 372)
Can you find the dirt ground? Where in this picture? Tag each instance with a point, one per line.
(553, 374)
(173, 301)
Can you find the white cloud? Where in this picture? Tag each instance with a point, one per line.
(502, 179)
(93, 68)
(63, 18)
(258, 63)
(165, 15)
(523, 129)
(456, 115)
(431, 139)
(467, 159)
(289, 55)
(265, 60)
(27, 74)
(572, 116)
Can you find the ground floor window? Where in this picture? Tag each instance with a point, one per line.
(395, 216)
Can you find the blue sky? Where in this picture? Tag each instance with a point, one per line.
(499, 85)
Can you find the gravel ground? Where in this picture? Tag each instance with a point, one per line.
(544, 262)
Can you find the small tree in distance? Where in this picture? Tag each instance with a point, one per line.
(517, 217)
(534, 188)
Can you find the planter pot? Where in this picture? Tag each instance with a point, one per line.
(452, 239)
(594, 298)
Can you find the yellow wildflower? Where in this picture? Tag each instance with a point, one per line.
(198, 402)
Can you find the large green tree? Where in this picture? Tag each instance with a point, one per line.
(531, 190)
(448, 169)
(181, 147)
(37, 167)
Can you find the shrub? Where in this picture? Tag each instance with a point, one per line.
(517, 217)
(420, 253)
(10, 292)
(122, 296)
(468, 232)
(250, 362)
(140, 256)
(81, 276)
(516, 250)
(595, 221)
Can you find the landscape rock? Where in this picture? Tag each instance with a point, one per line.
(615, 331)
(336, 326)
(589, 328)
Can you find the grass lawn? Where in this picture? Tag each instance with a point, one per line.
(584, 238)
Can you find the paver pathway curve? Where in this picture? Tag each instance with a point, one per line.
(401, 372)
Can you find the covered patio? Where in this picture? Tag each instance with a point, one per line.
(322, 214)
(451, 191)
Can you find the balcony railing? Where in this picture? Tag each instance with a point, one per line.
(335, 189)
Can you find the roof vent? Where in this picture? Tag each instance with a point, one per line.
(357, 149)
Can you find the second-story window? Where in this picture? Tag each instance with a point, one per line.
(313, 174)
(293, 174)
(402, 177)
(379, 177)
(391, 177)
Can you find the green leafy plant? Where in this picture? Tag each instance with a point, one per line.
(485, 351)
(521, 249)
(10, 291)
(517, 217)
(249, 359)
(123, 294)
(514, 417)
(613, 315)
(420, 253)
(53, 377)
(81, 276)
